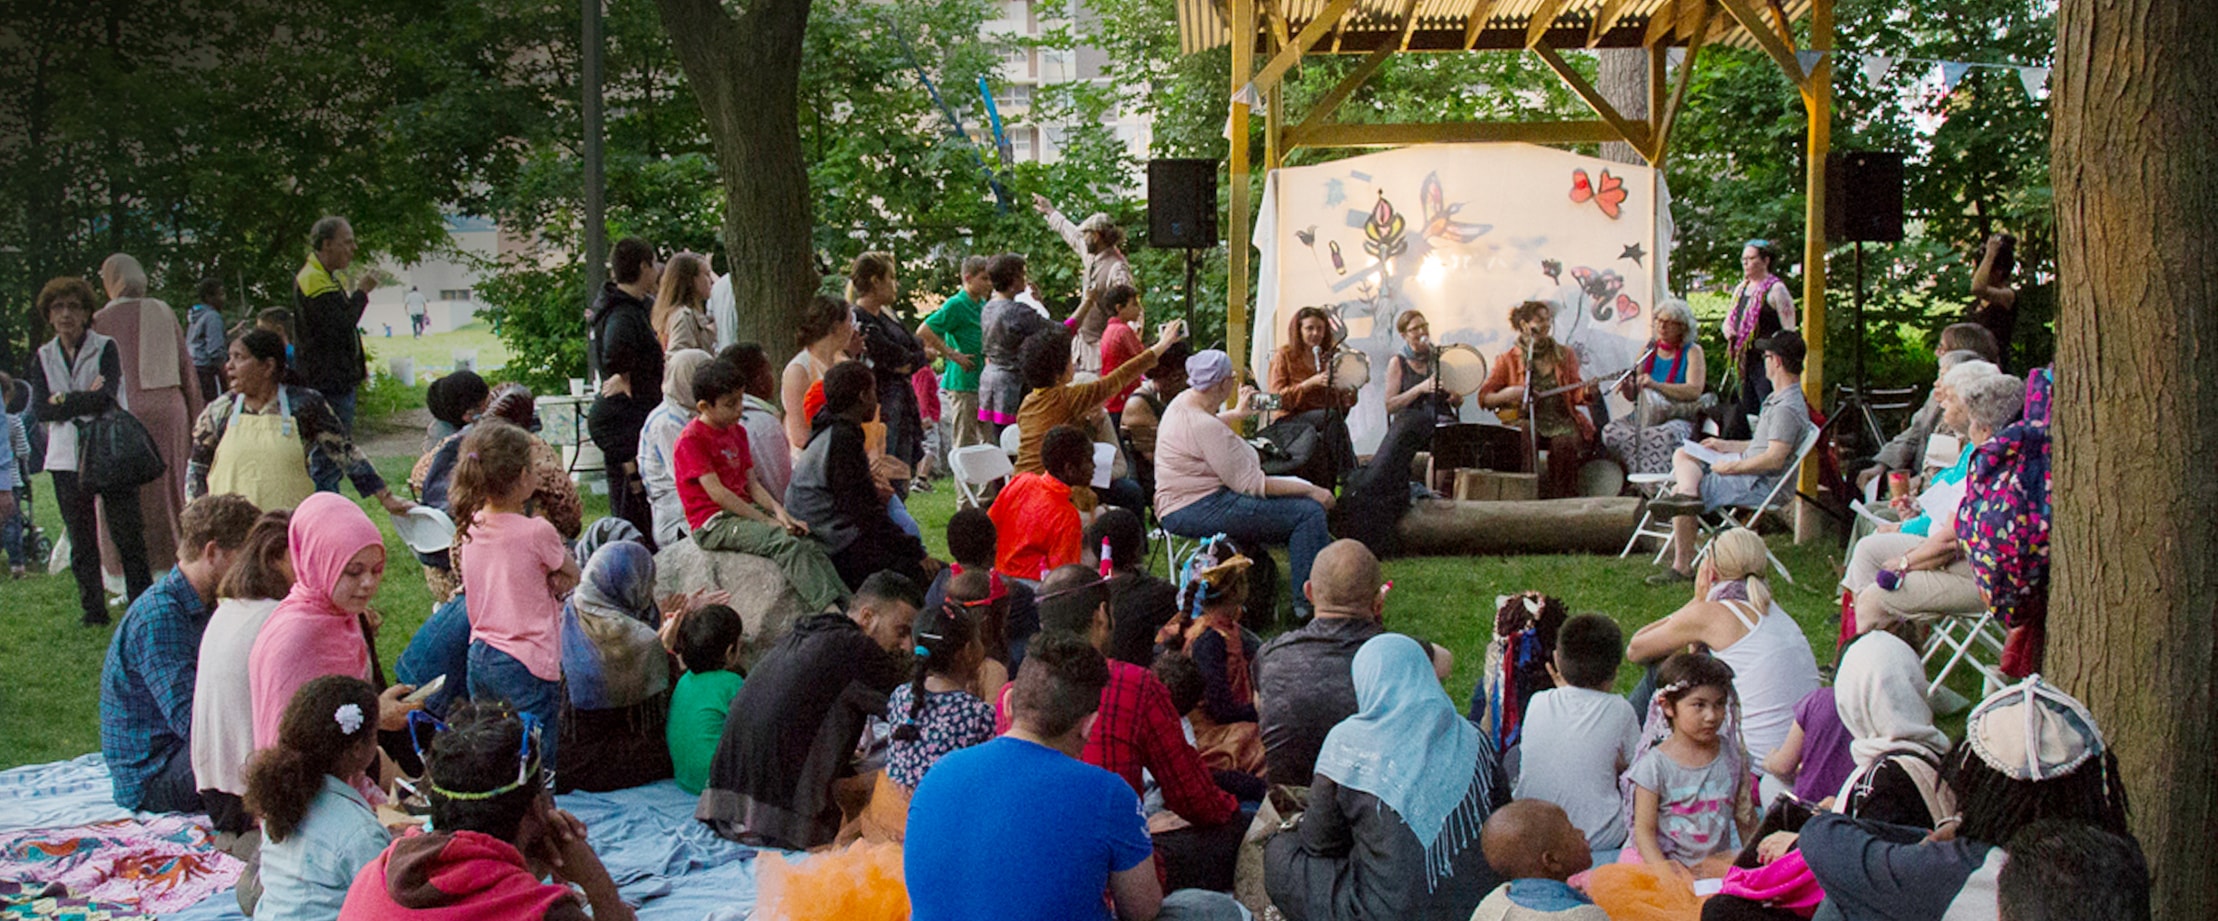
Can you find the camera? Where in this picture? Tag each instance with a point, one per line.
(1265, 402)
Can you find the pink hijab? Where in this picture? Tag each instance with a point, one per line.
(308, 636)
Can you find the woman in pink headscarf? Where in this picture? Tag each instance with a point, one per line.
(338, 560)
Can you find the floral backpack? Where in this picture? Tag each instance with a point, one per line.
(2004, 524)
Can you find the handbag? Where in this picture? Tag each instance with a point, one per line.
(115, 452)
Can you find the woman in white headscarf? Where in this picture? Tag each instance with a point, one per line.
(1401, 791)
(660, 435)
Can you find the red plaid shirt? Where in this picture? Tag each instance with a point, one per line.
(1136, 730)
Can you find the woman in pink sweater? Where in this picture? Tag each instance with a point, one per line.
(1209, 481)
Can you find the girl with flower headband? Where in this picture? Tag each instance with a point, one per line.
(318, 829)
(1688, 791)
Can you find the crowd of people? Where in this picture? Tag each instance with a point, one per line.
(1116, 743)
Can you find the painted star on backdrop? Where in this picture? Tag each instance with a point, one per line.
(1633, 252)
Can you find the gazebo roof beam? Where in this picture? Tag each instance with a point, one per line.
(1311, 32)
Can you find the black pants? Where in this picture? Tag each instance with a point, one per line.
(1754, 390)
(1203, 856)
(614, 425)
(124, 525)
(211, 381)
(1333, 427)
(172, 789)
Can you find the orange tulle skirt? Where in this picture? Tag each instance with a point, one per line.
(861, 883)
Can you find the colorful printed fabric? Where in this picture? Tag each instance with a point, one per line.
(33, 902)
(950, 720)
(2004, 519)
(161, 865)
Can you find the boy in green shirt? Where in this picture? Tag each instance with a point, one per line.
(953, 333)
(709, 641)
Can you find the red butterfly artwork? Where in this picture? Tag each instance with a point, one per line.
(1608, 195)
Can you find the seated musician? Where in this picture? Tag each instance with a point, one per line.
(1666, 390)
(1564, 432)
(1412, 382)
(1305, 388)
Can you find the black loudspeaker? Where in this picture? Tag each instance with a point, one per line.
(1182, 204)
(1863, 196)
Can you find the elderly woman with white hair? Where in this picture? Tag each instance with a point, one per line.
(1208, 481)
(1918, 570)
(1666, 390)
(161, 389)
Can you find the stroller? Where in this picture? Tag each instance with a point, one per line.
(36, 546)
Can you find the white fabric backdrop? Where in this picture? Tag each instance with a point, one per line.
(1483, 227)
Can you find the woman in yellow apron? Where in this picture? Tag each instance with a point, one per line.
(255, 439)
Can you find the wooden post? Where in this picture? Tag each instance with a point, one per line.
(1817, 94)
(1236, 239)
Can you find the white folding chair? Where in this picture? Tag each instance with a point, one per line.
(1012, 441)
(1745, 516)
(976, 467)
(1649, 485)
(1971, 639)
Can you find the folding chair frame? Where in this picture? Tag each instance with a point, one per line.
(969, 493)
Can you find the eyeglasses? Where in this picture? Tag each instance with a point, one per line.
(529, 742)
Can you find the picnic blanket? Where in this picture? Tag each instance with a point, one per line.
(60, 828)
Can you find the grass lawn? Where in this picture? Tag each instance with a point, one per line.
(49, 702)
(434, 353)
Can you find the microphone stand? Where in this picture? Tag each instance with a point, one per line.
(1532, 415)
(1332, 410)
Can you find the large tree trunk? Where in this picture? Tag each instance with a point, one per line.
(2136, 419)
(746, 72)
(1622, 78)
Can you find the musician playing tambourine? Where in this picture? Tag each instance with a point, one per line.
(1564, 432)
(1410, 383)
(1310, 389)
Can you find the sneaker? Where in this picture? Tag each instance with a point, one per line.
(1673, 505)
(1669, 576)
(96, 620)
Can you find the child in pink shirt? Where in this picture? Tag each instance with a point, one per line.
(515, 570)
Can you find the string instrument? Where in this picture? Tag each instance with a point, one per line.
(1514, 415)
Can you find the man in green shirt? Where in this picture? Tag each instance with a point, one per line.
(953, 333)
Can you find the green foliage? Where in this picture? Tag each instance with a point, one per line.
(206, 137)
(536, 311)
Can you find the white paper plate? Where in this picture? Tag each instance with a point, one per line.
(425, 529)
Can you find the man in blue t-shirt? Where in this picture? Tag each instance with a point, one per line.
(1064, 830)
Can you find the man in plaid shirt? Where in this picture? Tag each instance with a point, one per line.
(146, 686)
(1135, 730)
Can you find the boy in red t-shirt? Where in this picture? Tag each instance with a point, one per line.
(1038, 527)
(725, 502)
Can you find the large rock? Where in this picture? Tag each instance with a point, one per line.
(764, 599)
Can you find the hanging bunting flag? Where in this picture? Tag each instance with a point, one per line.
(1876, 67)
(1952, 73)
(1675, 56)
(1809, 61)
(1250, 95)
(2033, 78)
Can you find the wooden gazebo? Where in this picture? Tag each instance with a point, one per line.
(1280, 33)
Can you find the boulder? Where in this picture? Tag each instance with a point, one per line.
(764, 599)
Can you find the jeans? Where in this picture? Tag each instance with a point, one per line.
(1201, 905)
(14, 530)
(1296, 521)
(440, 647)
(496, 675)
(172, 789)
(124, 524)
(898, 510)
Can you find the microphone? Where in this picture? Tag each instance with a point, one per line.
(1317, 354)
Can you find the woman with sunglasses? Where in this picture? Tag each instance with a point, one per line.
(1761, 306)
(497, 831)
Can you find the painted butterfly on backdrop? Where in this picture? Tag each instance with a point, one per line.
(1440, 222)
(1608, 194)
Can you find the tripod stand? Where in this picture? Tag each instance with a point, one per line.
(1852, 398)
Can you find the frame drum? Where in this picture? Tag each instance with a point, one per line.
(1351, 369)
(1462, 370)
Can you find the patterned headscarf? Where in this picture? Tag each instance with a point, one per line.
(611, 655)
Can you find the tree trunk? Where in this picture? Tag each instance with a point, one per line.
(746, 72)
(1447, 527)
(1622, 79)
(2135, 558)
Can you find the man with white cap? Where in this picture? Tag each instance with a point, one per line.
(1099, 243)
(2030, 753)
(1208, 481)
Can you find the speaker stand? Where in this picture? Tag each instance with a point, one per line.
(1193, 258)
(1854, 398)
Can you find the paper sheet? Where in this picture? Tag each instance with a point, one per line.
(1698, 452)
